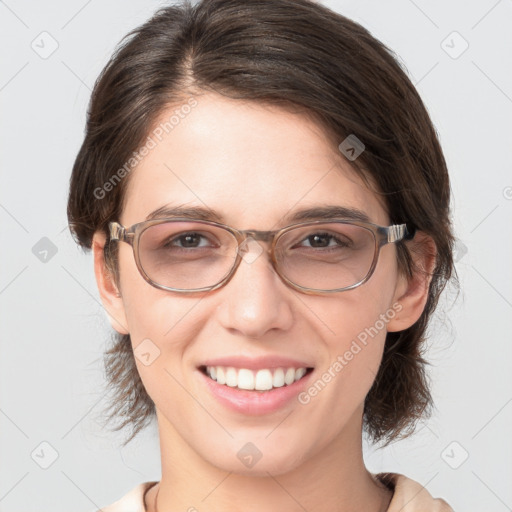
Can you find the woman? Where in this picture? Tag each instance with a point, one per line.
(268, 207)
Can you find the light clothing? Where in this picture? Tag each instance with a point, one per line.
(408, 496)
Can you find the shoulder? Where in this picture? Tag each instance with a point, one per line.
(411, 496)
(133, 501)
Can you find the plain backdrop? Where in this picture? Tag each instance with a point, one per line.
(54, 456)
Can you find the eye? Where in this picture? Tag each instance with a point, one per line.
(190, 240)
(323, 240)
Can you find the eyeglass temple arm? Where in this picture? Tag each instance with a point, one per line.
(117, 232)
(399, 232)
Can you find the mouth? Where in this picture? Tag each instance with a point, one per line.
(262, 380)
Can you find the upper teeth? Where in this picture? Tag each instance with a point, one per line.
(261, 380)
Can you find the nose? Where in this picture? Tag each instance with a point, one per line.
(255, 300)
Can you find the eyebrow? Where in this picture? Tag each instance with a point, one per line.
(302, 215)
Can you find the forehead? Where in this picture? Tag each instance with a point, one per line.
(254, 164)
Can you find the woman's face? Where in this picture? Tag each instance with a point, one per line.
(254, 166)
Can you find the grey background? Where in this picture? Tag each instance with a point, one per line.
(53, 329)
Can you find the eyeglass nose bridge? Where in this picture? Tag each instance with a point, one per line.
(259, 236)
(244, 237)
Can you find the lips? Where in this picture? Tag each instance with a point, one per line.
(237, 393)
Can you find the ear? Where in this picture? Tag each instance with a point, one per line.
(109, 293)
(411, 292)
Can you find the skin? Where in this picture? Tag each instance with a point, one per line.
(253, 164)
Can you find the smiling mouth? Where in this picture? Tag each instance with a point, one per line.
(264, 379)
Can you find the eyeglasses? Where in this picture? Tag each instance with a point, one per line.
(185, 255)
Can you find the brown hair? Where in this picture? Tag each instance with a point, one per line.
(290, 53)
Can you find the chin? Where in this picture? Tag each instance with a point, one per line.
(254, 459)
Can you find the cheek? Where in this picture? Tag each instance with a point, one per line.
(355, 326)
(163, 329)
(361, 314)
(171, 323)
(162, 325)
(150, 312)
(356, 341)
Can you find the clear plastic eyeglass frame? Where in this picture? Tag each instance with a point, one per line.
(382, 235)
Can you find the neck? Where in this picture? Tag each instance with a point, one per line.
(333, 478)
